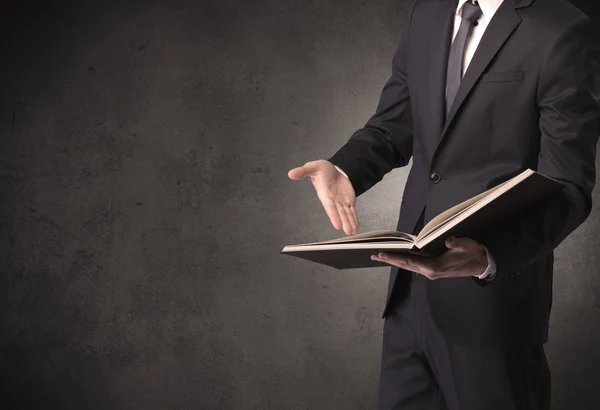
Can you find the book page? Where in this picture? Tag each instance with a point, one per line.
(383, 234)
(451, 213)
(483, 199)
(349, 246)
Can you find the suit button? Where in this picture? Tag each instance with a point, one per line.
(435, 177)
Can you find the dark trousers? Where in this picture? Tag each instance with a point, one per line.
(421, 370)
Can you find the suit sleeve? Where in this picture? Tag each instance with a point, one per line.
(386, 140)
(569, 107)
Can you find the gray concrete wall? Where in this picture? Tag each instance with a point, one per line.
(144, 150)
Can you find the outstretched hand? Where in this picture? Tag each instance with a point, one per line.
(464, 257)
(335, 192)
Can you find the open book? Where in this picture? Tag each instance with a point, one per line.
(465, 219)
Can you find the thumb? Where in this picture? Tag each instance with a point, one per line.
(461, 244)
(304, 171)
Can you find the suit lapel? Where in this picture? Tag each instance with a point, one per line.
(502, 25)
(441, 38)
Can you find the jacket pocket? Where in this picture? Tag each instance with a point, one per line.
(502, 77)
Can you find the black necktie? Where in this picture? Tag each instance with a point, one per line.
(470, 13)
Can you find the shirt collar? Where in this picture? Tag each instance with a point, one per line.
(488, 7)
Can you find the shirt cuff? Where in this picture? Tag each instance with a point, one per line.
(342, 172)
(489, 273)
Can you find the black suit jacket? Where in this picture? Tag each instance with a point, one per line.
(530, 99)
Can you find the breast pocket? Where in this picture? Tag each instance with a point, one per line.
(502, 77)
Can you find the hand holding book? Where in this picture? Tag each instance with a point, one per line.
(464, 257)
(466, 220)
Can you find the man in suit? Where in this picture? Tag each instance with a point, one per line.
(479, 91)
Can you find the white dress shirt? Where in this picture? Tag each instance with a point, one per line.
(488, 9)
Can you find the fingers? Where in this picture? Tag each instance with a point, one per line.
(413, 263)
(354, 216)
(333, 214)
(348, 220)
(341, 216)
(426, 267)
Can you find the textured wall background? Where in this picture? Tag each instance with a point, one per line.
(144, 150)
